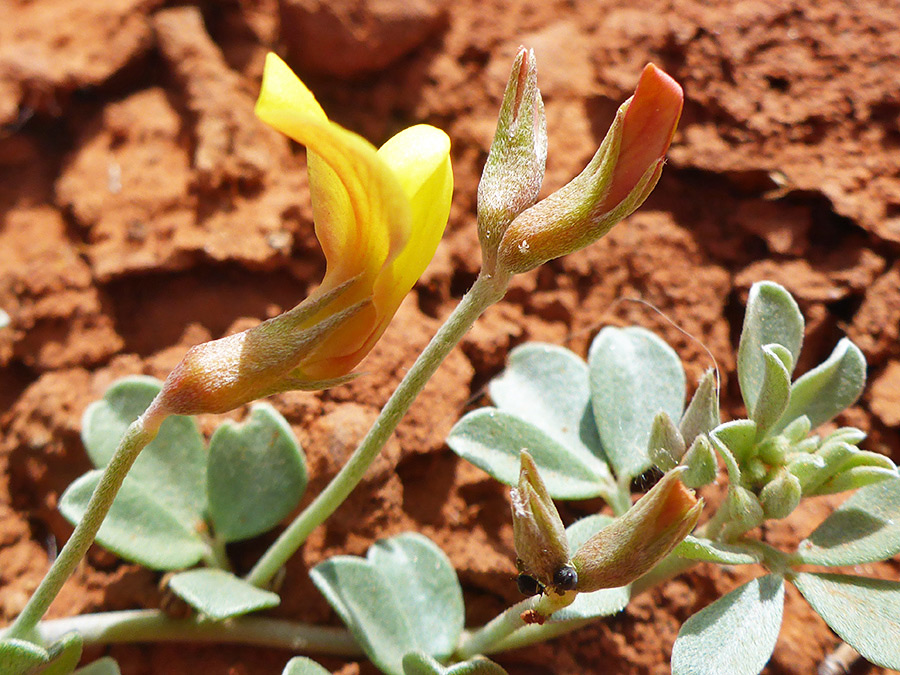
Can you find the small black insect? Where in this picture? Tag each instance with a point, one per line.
(528, 585)
(565, 578)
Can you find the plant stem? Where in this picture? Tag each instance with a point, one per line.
(495, 631)
(152, 625)
(486, 291)
(136, 438)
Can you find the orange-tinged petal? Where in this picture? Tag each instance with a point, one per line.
(647, 130)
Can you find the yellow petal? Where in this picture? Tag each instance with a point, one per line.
(360, 209)
(420, 158)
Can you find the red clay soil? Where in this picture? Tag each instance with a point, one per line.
(144, 209)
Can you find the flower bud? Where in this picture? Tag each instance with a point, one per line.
(702, 414)
(618, 179)
(665, 446)
(781, 495)
(635, 542)
(221, 375)
(744, 512)
(797, 430)
(540, 538)
(514, 169)
(700, 460)
(774, 450)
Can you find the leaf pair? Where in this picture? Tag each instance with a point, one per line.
(737, 633)
(575, 419)
(177, 495)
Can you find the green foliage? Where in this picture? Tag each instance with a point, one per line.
(736, 634)
(300, 665)
(417, 663)
(104, 666)
(864, 612)
(179, 503)
(402, 597)
(20, 657)
(219, 594)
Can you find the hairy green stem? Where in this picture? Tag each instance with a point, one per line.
(495, 631)
(486, 291)
(152, 625)
(136, 438)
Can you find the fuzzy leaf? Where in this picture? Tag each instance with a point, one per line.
(598, 603)
(137, 528)
(301, 665)
(19, 657)
(698, 548)
(634, 375)
(219, 594)
(774, 391)
(105, 666)
(865, 613)
(492, 439)
(549, 387)
(829, 388)
(256, 474)
(772, 317)
(702, 414)
(65, 654)
(736, 634)
(172, 468)
(864, 529)
(418, 663)
(403, 597)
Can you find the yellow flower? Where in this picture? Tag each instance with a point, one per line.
(379, 215)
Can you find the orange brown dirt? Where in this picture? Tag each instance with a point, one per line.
(144, 209)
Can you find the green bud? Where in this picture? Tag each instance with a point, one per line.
(700, 461)
(665, 446)
(702, 414)
(810, 445)
(739, 436)
(538, 532)
(849, 435)
(744, 512)
(781, 495)
(514, 169)
(755, 471)
(805, 467)
(635, 542)
(797, 430)
(774, 450)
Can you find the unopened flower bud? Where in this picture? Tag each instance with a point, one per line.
(781, 495)
(773, 450)
(797, 430)
(221, 375)
(700, 463)
(540, 538)
(744, 512)
(635, 542)
(514, 169)
(665, 446)
(618, 179)
(702, 414)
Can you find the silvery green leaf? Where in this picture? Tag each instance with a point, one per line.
(104, 666)
(865, 613)
(219, 594)
(418, 663)
(707, 550)
(864, 529)
(172, 467)
(634, 375)
(403, 597)
(256, 474)
(797, 430)
(739, 436)
(492, 439)
(138, 527)
(736, 634)
(829, 388)
(599, 603)
(856, 477)
(20, 657)
(774, 391)
(549, 387)
(772, 316)
(65, 654)
(702, 414)
(301, 665)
